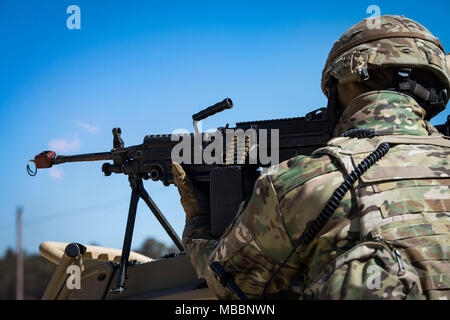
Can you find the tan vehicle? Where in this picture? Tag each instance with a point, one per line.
(172, 277)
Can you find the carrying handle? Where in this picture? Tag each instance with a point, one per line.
(218, 107)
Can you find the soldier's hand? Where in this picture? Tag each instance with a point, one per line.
(194, 202)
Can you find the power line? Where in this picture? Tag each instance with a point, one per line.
(67, 214)
(74, 212)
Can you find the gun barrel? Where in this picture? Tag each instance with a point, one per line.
(47, 159)
(98, 156)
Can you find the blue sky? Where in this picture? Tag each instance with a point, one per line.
(147, 66)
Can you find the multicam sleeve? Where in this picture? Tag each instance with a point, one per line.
(198, 242)
(247, 249)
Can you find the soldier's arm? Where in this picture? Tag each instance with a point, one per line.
(259, 239)
(251, 247)
(198, 243)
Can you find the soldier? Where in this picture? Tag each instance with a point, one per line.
(366, 217)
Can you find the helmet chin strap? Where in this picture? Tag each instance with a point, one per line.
(333, 105)
(429, 98)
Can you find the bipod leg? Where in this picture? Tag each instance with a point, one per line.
(162, 220)
(135, 184)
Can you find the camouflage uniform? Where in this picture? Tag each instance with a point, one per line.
(402, 202)
(389, 236)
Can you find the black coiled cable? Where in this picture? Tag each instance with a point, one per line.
(317, 224)
(359, 133)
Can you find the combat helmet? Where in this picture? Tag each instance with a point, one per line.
(415, 57)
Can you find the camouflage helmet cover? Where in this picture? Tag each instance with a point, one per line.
(395, 42)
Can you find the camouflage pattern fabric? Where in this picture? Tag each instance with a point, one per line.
(390, 112)
(388, 239)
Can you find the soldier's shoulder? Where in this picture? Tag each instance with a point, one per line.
(298, 170)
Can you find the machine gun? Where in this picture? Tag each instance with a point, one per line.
(227, 180)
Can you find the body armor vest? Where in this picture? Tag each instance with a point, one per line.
(403, 218)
